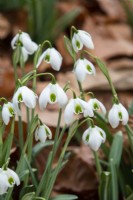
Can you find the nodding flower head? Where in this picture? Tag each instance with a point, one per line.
(42, 133)
(81, 38)
(117, 114)
(52, 56)
(94, 137)
(52, 94)
(76, 106)
(7, 112)
(24, 94)
(83, 67)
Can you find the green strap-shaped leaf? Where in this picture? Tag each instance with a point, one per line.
(65, 197)
(105, 185)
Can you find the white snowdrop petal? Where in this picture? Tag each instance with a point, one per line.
(88, 111)
(6, 115)
(49, 131)
(89, 67)
(24, 54)
(3, 183)
(44, 97)
(85, 134)
(80, 71)
(102, 107)
(94, 139)
(41, 58)
(86, 39)
(55, 59)
(102, 134)
(125, 115)
(69, 112)
(11, 173)
(61, 97)
(42, 134)
(113, 116)
(76, 39)
(15, 101)
(29, 98)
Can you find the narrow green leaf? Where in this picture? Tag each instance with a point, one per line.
(114, 180)
(65, 197)
(102, 67)
(28, 196)
(116, 149)
(26, 190)
(68, 46)
(105, 185)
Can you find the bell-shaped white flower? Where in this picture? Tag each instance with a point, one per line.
(42, 133)
(82, 68)
(52, 94)
(76, 106)
(7, 112)
(81, 38)
(52, 56)
(24, 94)
(12, 177)
(117, 114)
(25, 42)
(96, 105)
(94, 137)
(4, 184)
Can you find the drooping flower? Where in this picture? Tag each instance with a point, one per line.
(52, 94)
(3, 182)
(42, 133)
(96, 105)
(7, 112)
(117, 114)
(94, 137)
(76, 106)
(12, 177)
(52, 56)
(82, 68)
(81, 38)
(26, 95)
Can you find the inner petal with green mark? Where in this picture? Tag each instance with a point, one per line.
(11, 110)
(47, 132)
(52, 97)
(78, 109)
(20, 98)
(101, 133)
(88, 68)
(120, 115)
(87, 138)
(11, 181)
(47, 58)
(78, 44)
(96, 106)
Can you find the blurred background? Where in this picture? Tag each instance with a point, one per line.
(110, 23)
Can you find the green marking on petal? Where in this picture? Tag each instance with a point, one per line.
(120, 115)
(11, 110)
(11, 180)
(101, 133)
(20, 98)
(47, 58)
(47, 132)
(52, 97)
(95, 106)
(88, 68)
(78, 44)
(87, 138)
(78, 109)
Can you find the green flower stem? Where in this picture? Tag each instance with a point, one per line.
(1, 144)
(20, 127)
(98, 165)
(15, 66)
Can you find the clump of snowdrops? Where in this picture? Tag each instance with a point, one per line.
(92, 113)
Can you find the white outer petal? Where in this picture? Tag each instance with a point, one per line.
(113, 116)
(79, 70)
(86, 39)
(125, 115)
(15, 101)
(24, 54)
(29, 97)
(14, 40)
(74, 39)
(28, 44)
(95, 139)
(50, 133)
(88, 111)
(103, 133)
(41, 59)
(69, 112)
(11, 173)
(87, 62)
(102, 107)
(44, 97)
(86, 132)
(6, 114)
(41, 134)
(62, 98)
(55, 59)
(3, 183)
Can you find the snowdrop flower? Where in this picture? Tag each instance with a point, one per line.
(52, 94)
(94, 137)
(82, 68)
(24, 94)
(7, 112)
(42, 132)
(4, 184)
(76, 106)
(12, 177)
(52, 56)
(81, 38)
(118, 114)
(96, 105)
